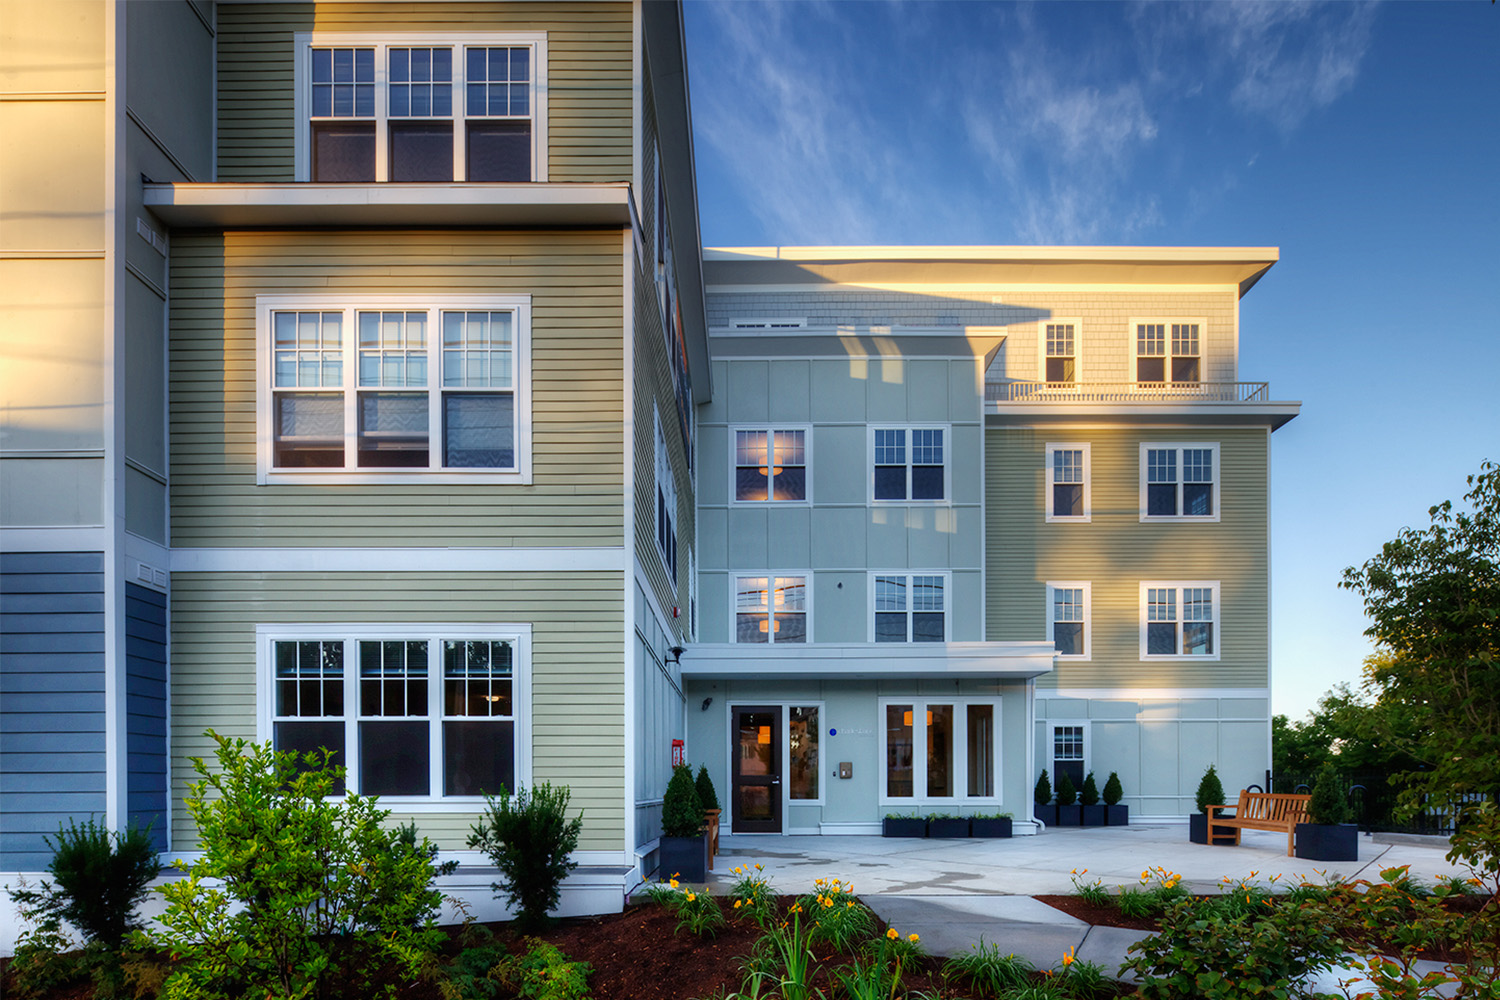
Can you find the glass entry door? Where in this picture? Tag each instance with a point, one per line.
(757, 768)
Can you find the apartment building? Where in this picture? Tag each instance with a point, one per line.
(970, 512)
(355, 409)
(365, 386)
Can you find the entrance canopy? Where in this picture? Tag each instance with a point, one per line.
(829, 661)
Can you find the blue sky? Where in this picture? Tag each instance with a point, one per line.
(1363, 140)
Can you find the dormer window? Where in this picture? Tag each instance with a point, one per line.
(421, 108)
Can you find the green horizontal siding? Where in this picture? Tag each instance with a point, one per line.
(577, 395)
(1115, 552)
(589, 76)
(577, 667)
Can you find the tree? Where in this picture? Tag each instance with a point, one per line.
(1433, 598)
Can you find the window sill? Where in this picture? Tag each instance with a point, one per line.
(364, 477)
(877, 502)
(1070, 519)
(1178, 519)
(1177, 658)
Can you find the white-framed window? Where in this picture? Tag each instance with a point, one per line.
(909, 607)
(909, 464)
(1059, 341)
(422, 715)
(421, 106)
(940, 749)
(666, 505)
(393, 388)
(771, 464)
(1068, 474)
(1180, 620)
(1179, 481)
(1069, 616)
(1068, 750)
(1168, 352)
(772, 609)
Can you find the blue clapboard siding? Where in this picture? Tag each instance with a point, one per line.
(52, 763)
(146, 710)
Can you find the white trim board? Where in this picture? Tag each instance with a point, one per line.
(1138, 694)
(398, 560)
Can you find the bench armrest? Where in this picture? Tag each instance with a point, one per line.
(1214, 809)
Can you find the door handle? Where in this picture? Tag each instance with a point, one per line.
(775, 781)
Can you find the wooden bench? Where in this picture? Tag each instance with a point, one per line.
(1262, 811)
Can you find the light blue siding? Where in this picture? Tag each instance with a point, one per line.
(52, 760)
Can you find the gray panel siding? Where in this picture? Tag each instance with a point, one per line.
(146, 710)
(52, 761)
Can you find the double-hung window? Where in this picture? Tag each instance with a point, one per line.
(1180, 620)
(1060, 353)
(909, 464)
(1179, 482)
(940, 750)
(1168, 353)
(1068, 615)
(394, 388)
(418, 712)
(770, 609)
(666, 506)
(1068, 482)
(421, 106)
(910, 607)
(770, 464)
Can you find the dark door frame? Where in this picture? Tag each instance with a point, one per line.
(771, 781)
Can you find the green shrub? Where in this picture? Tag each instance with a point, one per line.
(1327, 804)
(681, 810)
(98, 879)
(1067, 795)
(1043, 791)
(530, 839)
(295, 891)
(1113, 793)
(1210, 790)
(705, 787)
(988, 971)
(543, 973)
(1203, 952)
(1089, 795)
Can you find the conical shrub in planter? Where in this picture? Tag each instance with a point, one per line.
(710, 802)
(1088, 798)
(1067, 801)
(683, 850)
(1043, 809)
(1327, 836)
(1210, 793)
(1114, 813)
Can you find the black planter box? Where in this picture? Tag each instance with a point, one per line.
(903, 826)
(1327, 842)
(1069, 816)
(989, 827)
(1198, 830)
(686, 856)
(1047, 814)
(1093, 815)
(1117, 815)
(948, 829)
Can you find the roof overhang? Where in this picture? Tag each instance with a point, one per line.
(377, 205)
(1271, 414)
(989, 265)
(862, 661)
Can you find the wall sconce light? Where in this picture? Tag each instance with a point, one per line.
(676, 659)
(707, 702)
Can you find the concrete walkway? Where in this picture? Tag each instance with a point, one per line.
(956, 893)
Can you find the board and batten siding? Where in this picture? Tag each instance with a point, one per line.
(589, 76)
(577, 668)
(1116, 552)
(573, 277)
(52, 752)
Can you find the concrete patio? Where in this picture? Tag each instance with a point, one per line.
(955, 893)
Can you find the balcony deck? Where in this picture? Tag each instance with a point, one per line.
(1247, 403)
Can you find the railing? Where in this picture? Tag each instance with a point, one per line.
(1126, 392)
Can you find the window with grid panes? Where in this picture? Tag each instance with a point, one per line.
(909, 463)
(770, 609)
(417, 718)
(1068, 606)
(365, 388)
(1168, 354)
(1068, 482)
(392, 110)
(770, 465)
(910, 608)
(1179, 481)
(1062, 355)
(1179, 619)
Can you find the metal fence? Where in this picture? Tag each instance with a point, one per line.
(1372, 798)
